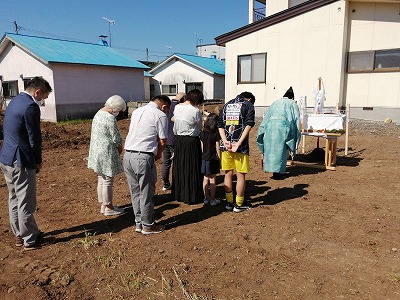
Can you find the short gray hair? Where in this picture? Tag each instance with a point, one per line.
(116, 103)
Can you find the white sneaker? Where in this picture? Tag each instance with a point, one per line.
(102, 209)
(244, 207)
(115, 211)
(138, 228)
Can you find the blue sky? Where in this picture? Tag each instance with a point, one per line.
(163, 26)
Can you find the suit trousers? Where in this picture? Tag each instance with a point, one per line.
(141, 174)
(21, 183)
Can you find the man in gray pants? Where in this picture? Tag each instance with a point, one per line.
(21, 159)
(144, 145)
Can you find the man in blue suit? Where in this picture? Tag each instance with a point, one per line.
(21, 159)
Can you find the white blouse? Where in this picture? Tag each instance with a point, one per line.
(187, 120)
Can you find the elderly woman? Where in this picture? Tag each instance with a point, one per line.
(104, 151)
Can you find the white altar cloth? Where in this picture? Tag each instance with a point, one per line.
(324, 121)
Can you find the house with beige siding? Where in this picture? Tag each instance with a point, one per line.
(83, 75)
(353, 45)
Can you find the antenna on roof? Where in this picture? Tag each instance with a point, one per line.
(16, 27)
(110, 22)
(169, 50)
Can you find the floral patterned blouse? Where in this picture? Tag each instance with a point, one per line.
(104, 142)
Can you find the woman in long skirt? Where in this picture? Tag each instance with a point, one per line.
(187, 178)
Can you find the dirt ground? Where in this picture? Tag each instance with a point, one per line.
(315, 235)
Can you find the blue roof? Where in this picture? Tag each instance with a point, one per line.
(61, 51)
(212, 65)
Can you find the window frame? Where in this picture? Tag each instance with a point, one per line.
(252, 69)
(6, 89)
(378, 53)
(193, 85)
(172, 89)
(373, 68)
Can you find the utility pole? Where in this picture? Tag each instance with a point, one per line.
(147, 54)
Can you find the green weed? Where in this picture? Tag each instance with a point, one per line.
(63, 277)
(89, 240)
(73, 121)
(132, 281)
(395, 277)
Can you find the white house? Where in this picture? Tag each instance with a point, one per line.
(82, 75)
(182, 73)
(211, 50)
(353, 45)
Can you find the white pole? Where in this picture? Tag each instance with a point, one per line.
(251, 11)
(346, 146)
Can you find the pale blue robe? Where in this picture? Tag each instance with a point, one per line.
(278, 132)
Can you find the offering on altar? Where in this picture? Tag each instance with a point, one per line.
(325, 123)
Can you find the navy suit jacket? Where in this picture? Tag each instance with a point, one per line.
(22, 134)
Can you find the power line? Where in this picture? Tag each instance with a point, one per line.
(147, 52)
(6, 21)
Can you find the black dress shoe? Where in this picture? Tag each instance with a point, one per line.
(278, 176)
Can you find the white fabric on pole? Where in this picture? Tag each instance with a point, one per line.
(319, 96)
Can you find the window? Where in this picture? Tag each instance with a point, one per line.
(10, 89)
(252, 68)
(193, 85)
(168, 89)
(26, 81)
(361, 61)
(152, 91)
(387, 59)
(295, 2)
(374, 61)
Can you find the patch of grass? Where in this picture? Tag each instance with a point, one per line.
(140, 285)
(395, 277)
(89, 240)
(106, 261)
(132, 281)
(63, 277)
(111, 260)
(73, 121)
